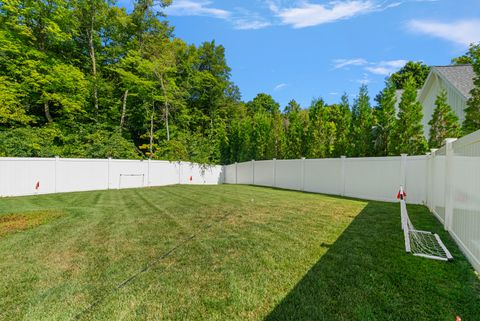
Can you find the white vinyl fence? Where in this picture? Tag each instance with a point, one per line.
(22, 176)
(454, 192)
(446, 180)
(374, 178)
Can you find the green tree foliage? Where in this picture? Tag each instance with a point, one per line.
(408, 137)
(294, 131)
(86, 78)
(472, 112)
(361, 126)
(263, 102)
(444, 123)
(386, 118)
(322, 130)
(416, 70)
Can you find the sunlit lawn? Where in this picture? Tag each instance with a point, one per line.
(222, 253)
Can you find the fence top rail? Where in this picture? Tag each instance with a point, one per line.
(470, 139)
(51, 159)
(441, 151)
(26, 159)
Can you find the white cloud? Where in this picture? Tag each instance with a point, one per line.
(342, 63)
(386, 68)
(245, 24)
(196, 8)
(309, 14)
(280, 86)
(240, 18)
(462, 32)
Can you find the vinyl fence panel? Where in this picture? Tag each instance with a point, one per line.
(264, 173)
(375, 178)
(465, 226)
(288, 174)
(324, 176)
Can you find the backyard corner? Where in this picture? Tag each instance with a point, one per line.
(224, 252)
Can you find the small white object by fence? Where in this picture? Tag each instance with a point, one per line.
(19, 176)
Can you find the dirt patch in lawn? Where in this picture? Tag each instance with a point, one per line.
(11, 223)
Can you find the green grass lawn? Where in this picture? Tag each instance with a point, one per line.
(222, 253)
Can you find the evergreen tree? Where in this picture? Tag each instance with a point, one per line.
(361, 126)
(386, 117)
(316, 141)
(342, 120)
(444, 122)
(472, 112)
(294, 131)
(409, 136)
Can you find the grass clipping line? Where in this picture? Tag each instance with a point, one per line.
(146, 267)
(16, 222)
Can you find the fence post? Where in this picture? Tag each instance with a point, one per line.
(431, 187)
(253, 172)
(108, 172)
(236, 173)
(179, 172)
(403, 171)
(303, 173)
(274, 166)
(449, 183)
(57, 159)
(343, 178)
(148, 172)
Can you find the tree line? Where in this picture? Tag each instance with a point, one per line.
(86, 78)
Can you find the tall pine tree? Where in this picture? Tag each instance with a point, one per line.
(361, 127)
(444, 122)
(472, 112)
(386, 118)
(294, 131)
(409, 136)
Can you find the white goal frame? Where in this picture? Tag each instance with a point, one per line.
(409, 229)
(130, 175)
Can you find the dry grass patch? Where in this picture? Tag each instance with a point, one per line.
(11, 223)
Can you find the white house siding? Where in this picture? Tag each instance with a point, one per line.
(429, 95)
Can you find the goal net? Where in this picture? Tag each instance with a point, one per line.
(421, 243)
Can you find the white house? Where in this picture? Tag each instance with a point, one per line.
(457, 80)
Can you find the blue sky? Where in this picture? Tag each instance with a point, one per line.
(311, 48)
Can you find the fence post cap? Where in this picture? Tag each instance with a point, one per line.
(450, 140)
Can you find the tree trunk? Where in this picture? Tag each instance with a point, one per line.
(151, 129)
(124, 110)
(166, 107)
(91, 49)
(47, 112)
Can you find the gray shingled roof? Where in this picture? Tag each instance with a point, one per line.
(460, 76)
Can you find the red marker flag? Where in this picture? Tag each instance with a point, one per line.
(37, 186)
(401, 195)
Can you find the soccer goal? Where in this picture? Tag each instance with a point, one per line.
(131, 180)
(421, 243)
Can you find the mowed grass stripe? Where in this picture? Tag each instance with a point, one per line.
(277, 255)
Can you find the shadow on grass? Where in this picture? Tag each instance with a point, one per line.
(366, 275)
